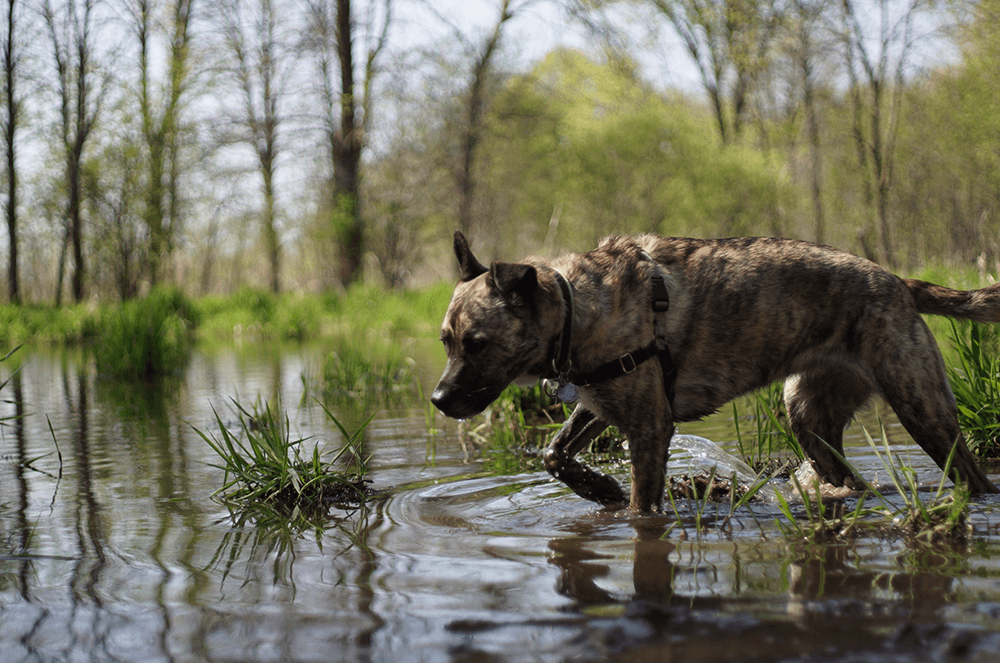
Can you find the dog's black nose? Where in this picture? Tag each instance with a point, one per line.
(442, 398)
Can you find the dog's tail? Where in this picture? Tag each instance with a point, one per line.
(981, 305)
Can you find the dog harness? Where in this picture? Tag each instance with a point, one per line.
(565, 389)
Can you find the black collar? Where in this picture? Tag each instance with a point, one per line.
(562, 364)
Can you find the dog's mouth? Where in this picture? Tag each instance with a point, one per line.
(458, 404)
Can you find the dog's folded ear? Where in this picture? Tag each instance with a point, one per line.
(514, 281)
(470, 266)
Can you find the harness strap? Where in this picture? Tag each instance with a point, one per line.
(616, 368)
(661, 304)
(562, 364)
(629, 361)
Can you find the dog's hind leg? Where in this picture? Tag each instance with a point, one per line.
(578, 431)
(919, 394)
(820, 404)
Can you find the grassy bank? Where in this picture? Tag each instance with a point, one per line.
(248, 315)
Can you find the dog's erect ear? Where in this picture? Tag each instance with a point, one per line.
(514, 279)
(471, 268)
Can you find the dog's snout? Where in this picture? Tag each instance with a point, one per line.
(442, 398)
(455, 402)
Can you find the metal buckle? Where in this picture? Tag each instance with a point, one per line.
(621, 360)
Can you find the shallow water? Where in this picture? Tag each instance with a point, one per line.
(111, 548)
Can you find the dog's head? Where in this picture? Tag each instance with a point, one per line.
(499, 328)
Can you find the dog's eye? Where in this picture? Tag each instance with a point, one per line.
(473, 344)
(448, 340)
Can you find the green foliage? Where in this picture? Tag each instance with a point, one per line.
(949, 165)
(514, 429)
(268, 471)
(146, 337)
(771, 433)
(941, 518)
(47, 324)
(593, 146)
(975, 382)
(653, 170)
(367, 372)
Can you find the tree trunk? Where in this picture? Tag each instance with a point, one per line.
(347, 154)
(270, 231)
(474, 123)
(76, 225)
(61, 270)
(10, 131)
(815, 146)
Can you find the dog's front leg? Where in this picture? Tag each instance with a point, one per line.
(648, 450)
(578, 431)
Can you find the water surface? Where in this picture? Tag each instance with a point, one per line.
(112, 549)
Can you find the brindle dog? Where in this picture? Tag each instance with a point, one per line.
(743, 312)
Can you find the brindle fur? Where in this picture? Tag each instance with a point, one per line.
(744, 312)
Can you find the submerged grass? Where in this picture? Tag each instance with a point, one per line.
(269, 472)
(826, 521)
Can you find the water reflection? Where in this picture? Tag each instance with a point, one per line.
(582, 566)
(835, 607)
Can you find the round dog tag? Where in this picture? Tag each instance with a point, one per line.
(567, 393)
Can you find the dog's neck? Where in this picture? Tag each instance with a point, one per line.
(562, 363)
(589, 327)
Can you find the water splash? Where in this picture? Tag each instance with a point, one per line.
(698, 454)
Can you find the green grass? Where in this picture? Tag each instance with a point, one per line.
(247, 315)
(268, 471)
(47, 325)
(252, 315)
(145, 337)
(367, 372)
(942, 518)
(975, 381)
(769, 433)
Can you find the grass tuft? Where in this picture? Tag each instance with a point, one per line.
(268, 471)
(975, 382)
(944, 518)
(771, 433)
(940, 519)
(146, 337)
(379, 371)
(826, 521)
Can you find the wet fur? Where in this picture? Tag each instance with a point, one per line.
(744, 312)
